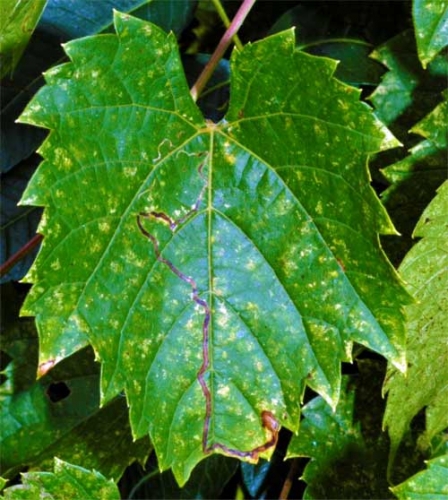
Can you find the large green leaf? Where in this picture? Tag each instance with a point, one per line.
(431, 27)
(431, 483)
(256, 264)
(17, 22)
(67, 482)
(425, 268)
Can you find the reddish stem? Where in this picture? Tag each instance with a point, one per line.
(20, 254)
(223, 45)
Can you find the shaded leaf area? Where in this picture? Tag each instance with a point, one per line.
(415, 179)
(66, 482)
(18, 224)
(58, 415)
(220, 268)
(68, 19)
(405, 97)
(430, 483)
(214, 100)
(207, 480)
(17, 22)
(348, 449)
(320, 35)
(407, 93)
(19, 141)
(431, 28)
(425, 269)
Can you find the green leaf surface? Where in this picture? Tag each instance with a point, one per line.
(17, 23)
(429, 484)
(256, 264)
(67, 482)
(425, 269)
(431, 27)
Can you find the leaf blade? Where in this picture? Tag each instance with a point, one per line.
(223, 228)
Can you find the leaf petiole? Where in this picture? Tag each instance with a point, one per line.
(223, 45)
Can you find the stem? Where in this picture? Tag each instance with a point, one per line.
(292, 476)
(20, 254)
(223, 45)
(225, 19)
(143, 480)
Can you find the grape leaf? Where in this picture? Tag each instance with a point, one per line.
(425, 270)
(17, 22)
(431, 27)
(218, 267)
(67, 482)
(430, 483)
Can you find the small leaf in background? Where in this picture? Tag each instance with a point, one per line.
(407, 93)
(18, 224)
(320, 35)
(270, 247)
(343, 464)
(415, 179)
(70, 19)
(431, 27)
(67, 482)
(17, 23)
(2, 483)
(59, 415)
(207, 480)
(348, 448)
(424, 385)
(431, 483)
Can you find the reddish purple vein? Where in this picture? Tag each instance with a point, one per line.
(267, 418)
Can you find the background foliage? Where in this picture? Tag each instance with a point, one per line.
(393, 55)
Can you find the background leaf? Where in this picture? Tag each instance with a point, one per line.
(415, 179)
(425, 270)
(58, 415)
(67, 482)
(291, 278)
(346, 447)
(70, 19)
(206, 481)
(17, 22)
(431, 27)
(427, 484)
